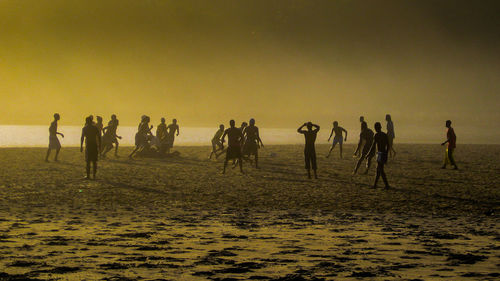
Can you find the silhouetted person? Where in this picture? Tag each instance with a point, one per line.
(381, 142)
(390, 134)
(309, 149)
(233, 151)
(99, 125)
(365, 142)
(110, 137)
(338, 137)
(141, 137)
(92, 138)
(53, 140)
(252, 142)
(451, 140)
(361, 120)
(172, 128)
(217, 144)
(161, 135)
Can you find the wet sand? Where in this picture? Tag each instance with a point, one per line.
(180, 219)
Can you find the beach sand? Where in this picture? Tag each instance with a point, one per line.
(180, 219)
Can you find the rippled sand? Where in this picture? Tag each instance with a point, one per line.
(180, 219)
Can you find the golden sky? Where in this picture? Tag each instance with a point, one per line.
(282, 62)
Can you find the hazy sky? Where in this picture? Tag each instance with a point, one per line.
(282, 62)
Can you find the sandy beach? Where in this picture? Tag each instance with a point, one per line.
(179, 219)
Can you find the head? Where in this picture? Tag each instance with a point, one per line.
(113, 117)
(174, 121)
(364, 126)
(99, 119)
(309, 125)
(448, 123)
(88, 120)
(244, 124)
(378, 127)
(221, 127)
(163, 120)
(57, 116)
(232, 123)
(361, 119)
(143, 118)
(387, 117)
(147, 119)
(335, 124)
(91, 118)
(252, 122)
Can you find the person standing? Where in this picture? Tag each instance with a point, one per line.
(309, 149)
(381, 144)
(53, 140)
(172, 128)
(217, 144)
(161, 136)
(390, 134)
(338, 137)
(92, 138)
(364, 145)
(252, 142)
(451, 140)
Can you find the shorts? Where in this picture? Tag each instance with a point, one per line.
(140, 140)
(91, 152)
(54, 142)
(338, 140)
(233, 152)
(381, 157)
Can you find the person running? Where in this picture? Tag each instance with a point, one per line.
(365, 142)
(233, 151)
(172, 128)
(252, 142)
(217, 144)
(110, 137)
(338, 137)
(381, 142)
(161, 136)
(53, 140)
(451, 140)
(141, 137)
(309, 149)
(92, 138)
(391, 135)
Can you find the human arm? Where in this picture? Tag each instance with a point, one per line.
(222, 139)
(82, 139)
(317, 128)
(331, 134)
(61, 134)
(177, 129)
(299, 130)
(345, 131)
(258, 138)
(372, 148)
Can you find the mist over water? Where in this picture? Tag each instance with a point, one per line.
(38, 136)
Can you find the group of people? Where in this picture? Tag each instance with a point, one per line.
(147, 144)
(242, 143)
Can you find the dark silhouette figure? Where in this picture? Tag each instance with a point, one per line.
(161, 136)
(110, 137)
(381, 142)
(338, 137)
(53, 140)
(309, 149)
(172, 128)
(92, 138)
(99, 125)
(357, 152)
(217, 145)
(451, 140)
(233, 151)
(252, 142)
(141, 137)
(391, 135)
(365, 142)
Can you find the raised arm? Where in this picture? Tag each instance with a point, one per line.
(317, 128)
(299, 130)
